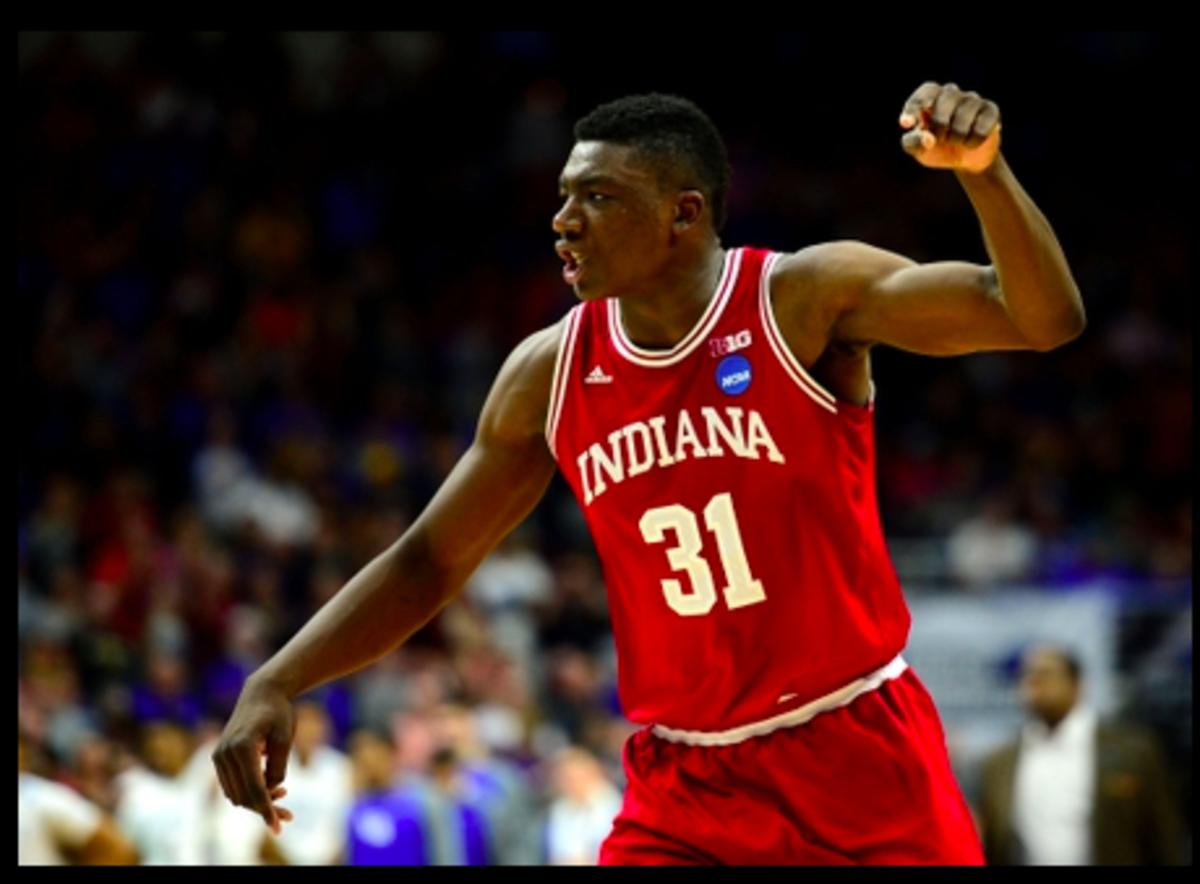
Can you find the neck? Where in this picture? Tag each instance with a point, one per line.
(1053, 721)
(663, 317)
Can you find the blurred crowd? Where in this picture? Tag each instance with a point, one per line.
(264, 283)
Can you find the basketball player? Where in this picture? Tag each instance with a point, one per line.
(711, 408)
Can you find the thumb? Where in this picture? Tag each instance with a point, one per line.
(917, 140)
(279, 743)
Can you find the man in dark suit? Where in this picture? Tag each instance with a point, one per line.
(1073, 790)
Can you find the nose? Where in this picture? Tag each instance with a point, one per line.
(567, 220)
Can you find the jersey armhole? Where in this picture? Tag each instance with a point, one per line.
(791, 364)
(783, 353)
(562, 373)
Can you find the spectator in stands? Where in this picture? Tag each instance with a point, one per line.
(158, 806)
(1073, 790)
(319, 782)
(384, 824)
(581, 813)
(490, 783)
(58, 826)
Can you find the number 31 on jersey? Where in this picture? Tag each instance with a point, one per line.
(721, 520)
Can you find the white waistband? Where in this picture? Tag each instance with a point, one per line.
(799, 715)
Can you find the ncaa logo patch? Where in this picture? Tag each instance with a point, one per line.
(733, 375)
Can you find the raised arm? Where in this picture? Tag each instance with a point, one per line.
(1025, 299)
(495, 484)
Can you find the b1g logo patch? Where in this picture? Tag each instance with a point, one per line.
(733, 375)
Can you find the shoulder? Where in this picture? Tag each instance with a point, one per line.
(537, 352)
(836, 272)
(519, 399)
(1134, 739)
(530, 366)
(56, 803)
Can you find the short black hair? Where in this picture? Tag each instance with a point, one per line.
(1071, 661)
(1069, 658)
(667, 130)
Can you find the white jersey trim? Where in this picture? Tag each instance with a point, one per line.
(834, 700)
(661, 358)
(562, 375)
(786, 358)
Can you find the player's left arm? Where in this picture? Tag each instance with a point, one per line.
(1025, 299)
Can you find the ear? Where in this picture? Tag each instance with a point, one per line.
(689, 209)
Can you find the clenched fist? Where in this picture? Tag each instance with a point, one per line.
(950, 129)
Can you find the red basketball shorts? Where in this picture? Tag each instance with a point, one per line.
(867, 783)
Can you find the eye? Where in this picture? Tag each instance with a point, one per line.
(597, 197)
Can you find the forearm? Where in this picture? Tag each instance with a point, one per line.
(392, 597)
(108, 846)
(1032, 272)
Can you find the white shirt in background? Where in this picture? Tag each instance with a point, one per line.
(230, 835)
(575, 830)
(319, 795)
(163, 817)
(1054, 791)
(49, 814)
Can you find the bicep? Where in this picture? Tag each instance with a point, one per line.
(491, 489)
(942, 308)
(505, 471)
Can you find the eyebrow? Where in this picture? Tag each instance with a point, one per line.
(587, 181)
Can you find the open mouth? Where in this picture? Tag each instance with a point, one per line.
(571, 268)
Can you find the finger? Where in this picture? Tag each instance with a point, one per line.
(987, 119)
(285, 814)
(226, 784)
(943, 109)
(279, 741)
(221, 780)
(920, 102)
(239, 790)
(962, 123)
(277, 793)
(984, 125)
(917, 141)
(247, 767)
(231, 783)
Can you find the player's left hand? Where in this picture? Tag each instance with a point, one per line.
(950, 129)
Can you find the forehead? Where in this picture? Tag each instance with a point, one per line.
(1044, 662)
(618, 163)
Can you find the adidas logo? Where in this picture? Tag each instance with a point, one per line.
(597, 376)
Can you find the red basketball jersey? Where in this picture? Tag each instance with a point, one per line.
(731, 499)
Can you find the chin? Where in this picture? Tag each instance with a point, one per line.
(589, 292)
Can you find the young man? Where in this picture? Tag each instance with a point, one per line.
(1073, 789)
(711, 408)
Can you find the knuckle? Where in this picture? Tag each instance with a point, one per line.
(240, 744)
(924, 94)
